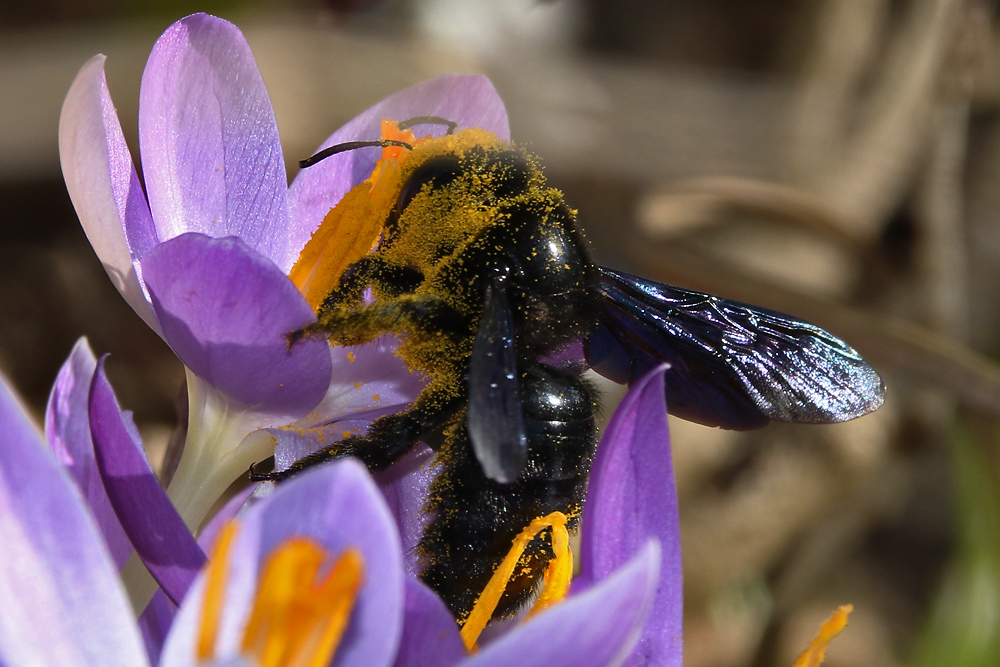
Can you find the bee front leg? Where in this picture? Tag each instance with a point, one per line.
(410, 315)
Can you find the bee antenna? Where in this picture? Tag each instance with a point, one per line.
(429, 120)
(350, 146)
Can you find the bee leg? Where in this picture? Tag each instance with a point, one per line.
(409, 314)
(388, 437)
(372, 271)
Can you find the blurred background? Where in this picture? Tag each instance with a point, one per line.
(837, 160)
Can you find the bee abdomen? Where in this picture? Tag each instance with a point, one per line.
(476, 519)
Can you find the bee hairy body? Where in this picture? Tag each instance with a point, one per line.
(466, 220)
(480, 269)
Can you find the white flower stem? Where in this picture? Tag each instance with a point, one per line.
(216, 453)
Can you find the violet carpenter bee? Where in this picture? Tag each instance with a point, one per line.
(477, 264)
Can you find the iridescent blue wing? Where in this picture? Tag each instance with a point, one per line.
(731, 364)
(495, 418)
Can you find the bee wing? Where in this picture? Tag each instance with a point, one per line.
(495, 418)
(732, 365)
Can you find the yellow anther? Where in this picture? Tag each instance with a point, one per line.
(351, 229)
(295, 620)
(348, 232)
(557, 576)
(215, 588)
(830, 628)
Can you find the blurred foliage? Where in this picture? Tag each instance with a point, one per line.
(964, 629)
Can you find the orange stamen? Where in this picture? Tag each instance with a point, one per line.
(557, 575)
(830, 628)
(348, 232)
(297, 620)
(352, 228)
(215, 588)
(294, 621)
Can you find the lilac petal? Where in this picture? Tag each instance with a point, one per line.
(67, 430)
(103, 183)
(405, 486)
(225, 311)
(209, 140)
(598, 627)
(63, 602)
(430, 634)
(339, 506)
(295, 441)
(154, 624)
(158, 616)
(229, 511)
(467, 99)
(370, 381)
(155, 528)
(632, 497)
(371, 376)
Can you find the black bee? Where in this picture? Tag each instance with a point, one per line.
(482, 271)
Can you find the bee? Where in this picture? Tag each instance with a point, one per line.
(478, 265)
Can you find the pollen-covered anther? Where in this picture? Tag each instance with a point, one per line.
(557, 576)
(302, 605)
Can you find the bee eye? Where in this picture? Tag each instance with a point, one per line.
(435, 173)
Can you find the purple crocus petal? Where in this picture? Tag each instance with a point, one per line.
(159, 615)
(338, 506)
(154, 624)
(67, 430)
(298, 440)
(225, 310)
(103, 183)
(209, 141)
(467, 99)
(598, 627)
(430, 634)
(208, 534)
(373, 377)
(152, 524)
(405, 486)
(63, 601)
(632, 498)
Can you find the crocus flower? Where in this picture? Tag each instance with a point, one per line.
(62, 601)
(202, 255)
(312, 574)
